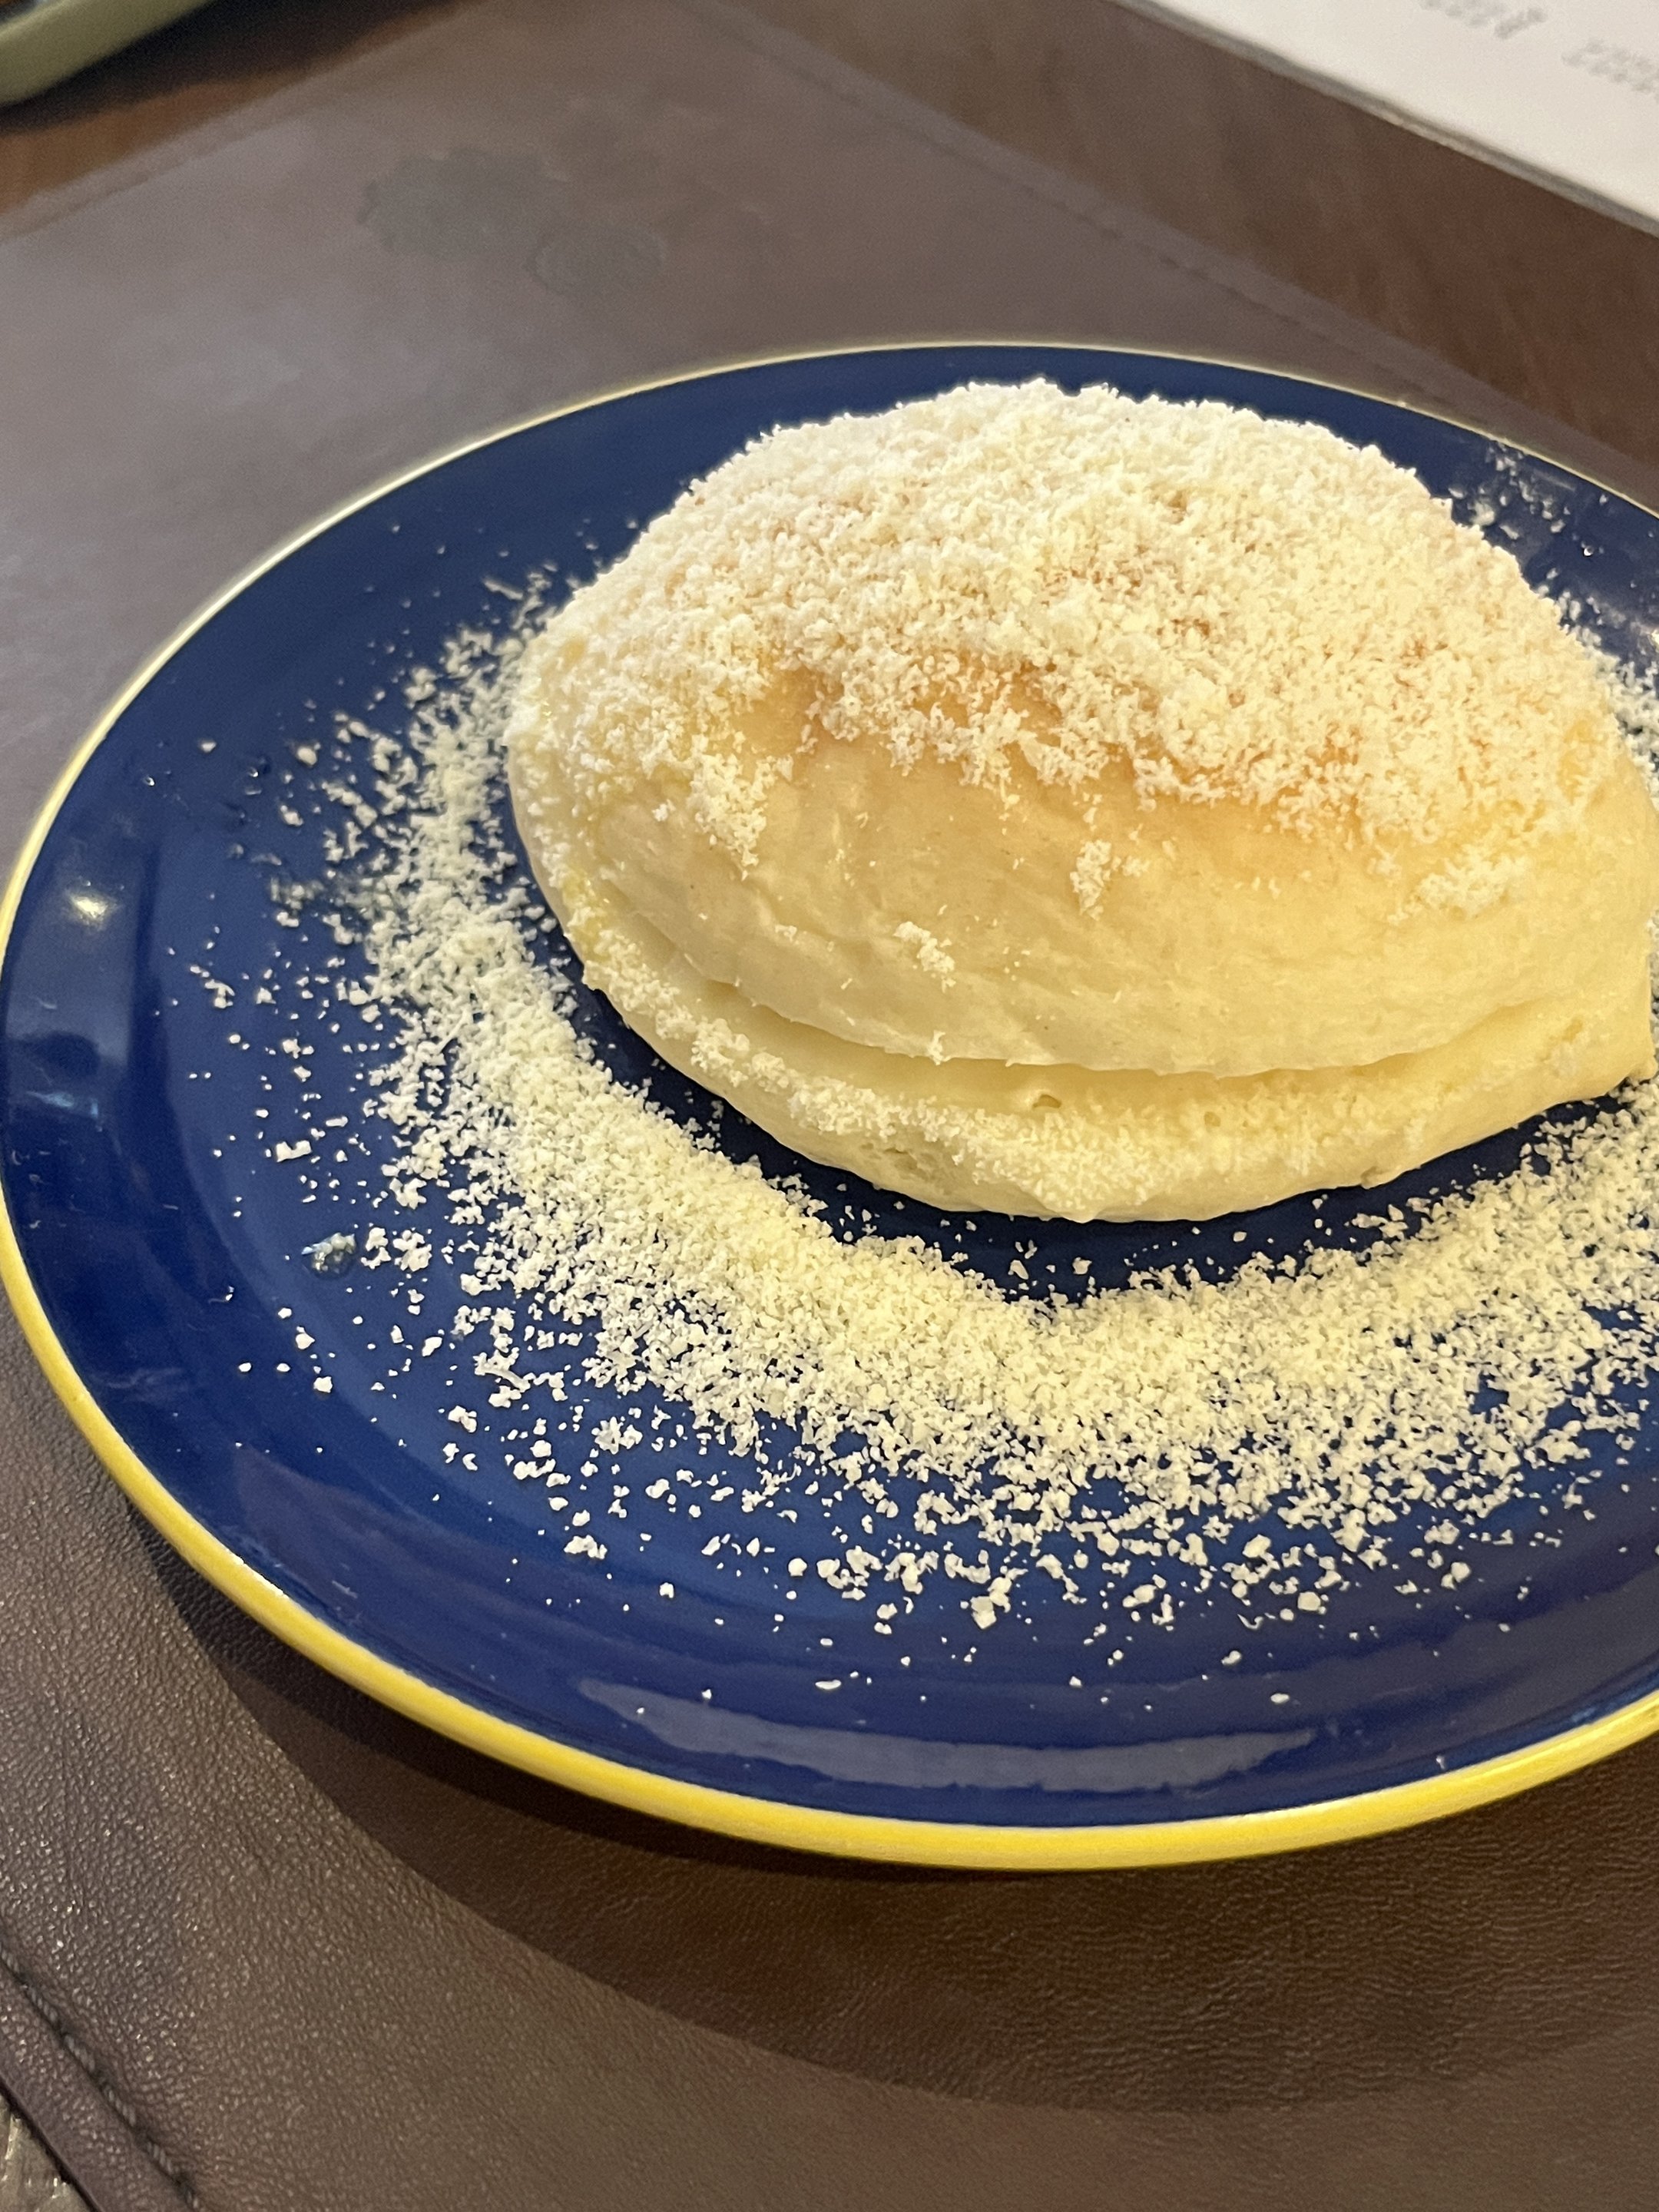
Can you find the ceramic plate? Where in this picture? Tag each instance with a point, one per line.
(187, 1289)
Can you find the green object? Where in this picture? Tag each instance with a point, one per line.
(43, 41)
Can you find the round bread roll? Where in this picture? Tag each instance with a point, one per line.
(1068, 805)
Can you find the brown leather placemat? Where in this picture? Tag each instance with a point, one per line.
(1549, 300)
(267, 1947)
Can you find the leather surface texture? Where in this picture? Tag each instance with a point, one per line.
(268, 1948)
(1550, 300)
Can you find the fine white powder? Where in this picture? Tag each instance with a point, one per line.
(962, 1431)
(1229, 607)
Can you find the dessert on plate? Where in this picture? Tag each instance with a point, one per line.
(1066, 804)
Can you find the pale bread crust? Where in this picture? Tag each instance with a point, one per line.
(906, 909)
(1087, 1145)
(1083, 806)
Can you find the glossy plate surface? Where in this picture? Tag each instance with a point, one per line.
(159, 1268)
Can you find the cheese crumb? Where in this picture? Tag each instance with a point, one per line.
(974, 1433)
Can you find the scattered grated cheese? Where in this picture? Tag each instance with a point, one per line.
(930, 955)
(1468, 1351)
(1097, 863)
(1016, 573)
(951, 1429)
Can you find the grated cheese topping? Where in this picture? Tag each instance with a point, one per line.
(964, 1432)
(1075, 580)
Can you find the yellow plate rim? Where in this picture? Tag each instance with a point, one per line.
(964, 1844)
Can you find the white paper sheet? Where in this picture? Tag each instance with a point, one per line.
(1563, 89)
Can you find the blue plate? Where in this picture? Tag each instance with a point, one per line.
(161, 1271)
